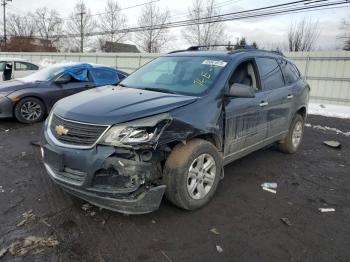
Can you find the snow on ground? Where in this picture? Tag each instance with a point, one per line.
(338, 111)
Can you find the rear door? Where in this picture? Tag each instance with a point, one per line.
(273, 84)
(246, 118)
(23, 69)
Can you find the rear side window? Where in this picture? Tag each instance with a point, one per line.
(104, 77)
(270, 73)
(290, 73)
(23, 66)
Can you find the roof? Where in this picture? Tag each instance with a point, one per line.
(225, 54)
(71, 64)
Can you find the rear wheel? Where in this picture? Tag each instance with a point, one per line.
(29, 110)
(192, 174)
(294, 137)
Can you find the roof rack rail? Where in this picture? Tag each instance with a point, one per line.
(278, 52)
(229, 47)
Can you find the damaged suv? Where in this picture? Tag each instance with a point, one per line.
(171, 126)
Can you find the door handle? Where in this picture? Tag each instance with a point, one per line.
(263, 103)
(290, 96)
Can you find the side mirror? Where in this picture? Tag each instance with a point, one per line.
(63, 79)
(241, 90)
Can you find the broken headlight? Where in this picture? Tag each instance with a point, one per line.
(141, 131)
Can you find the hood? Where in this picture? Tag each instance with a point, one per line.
(14, 85)
(112, 105)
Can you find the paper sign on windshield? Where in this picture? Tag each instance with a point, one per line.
(214, 63)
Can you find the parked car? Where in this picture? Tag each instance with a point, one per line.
(171, 126)
(11, 68)
(28, 99)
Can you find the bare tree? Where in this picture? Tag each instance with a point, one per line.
(154, 39)
(80, 23)
(21, 25)
(345, 28)
(48, 22)
(112, 21)
(207, 34)
(303, 35)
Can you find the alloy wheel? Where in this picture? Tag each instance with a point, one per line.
(201, 176)
(31, 111)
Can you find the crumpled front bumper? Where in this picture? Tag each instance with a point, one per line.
(145, 202)
(79, 173)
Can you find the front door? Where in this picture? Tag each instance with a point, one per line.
(246, 118)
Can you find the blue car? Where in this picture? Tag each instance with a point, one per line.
(30, 98)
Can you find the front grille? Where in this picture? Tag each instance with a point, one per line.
(78, 134)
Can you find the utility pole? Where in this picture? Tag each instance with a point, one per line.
(4, 3)
(81, 31)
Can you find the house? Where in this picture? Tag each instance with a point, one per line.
(28, 44)
(112, 47)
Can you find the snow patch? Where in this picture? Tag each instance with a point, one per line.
(48, 61)
(337, 111)
(327, 128)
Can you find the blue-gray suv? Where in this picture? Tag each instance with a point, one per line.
(171, 126)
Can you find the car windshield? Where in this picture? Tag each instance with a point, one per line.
(181, 75)
(45, 74)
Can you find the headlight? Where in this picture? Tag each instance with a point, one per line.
(141, 131)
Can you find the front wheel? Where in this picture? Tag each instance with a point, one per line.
(29, 110)
(294, 137)
(192, 173)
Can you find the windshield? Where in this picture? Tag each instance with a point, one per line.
(183, 75)
(45, 74)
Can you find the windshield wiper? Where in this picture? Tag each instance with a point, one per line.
(162, 90)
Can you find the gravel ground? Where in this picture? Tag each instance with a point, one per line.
(242, 219)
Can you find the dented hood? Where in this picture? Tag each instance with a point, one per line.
(111, 105)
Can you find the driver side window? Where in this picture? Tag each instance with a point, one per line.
(245, 74)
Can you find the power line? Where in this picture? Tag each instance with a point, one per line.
(273, 10)
(257, 12)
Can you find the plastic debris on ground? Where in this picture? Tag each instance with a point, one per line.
(27, 217)
(86, 207)
(219, 249)
(1, 190)
(286, 221)
(333, 144)
(325, 210)
(270, 187)
(3, 251)
(32, 245)
(214, 231)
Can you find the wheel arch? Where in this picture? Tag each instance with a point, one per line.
(302, 111)
(212, 138)
(30, 96)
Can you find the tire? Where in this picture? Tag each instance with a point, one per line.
(291, 143)
(180, 181)
(29, 110)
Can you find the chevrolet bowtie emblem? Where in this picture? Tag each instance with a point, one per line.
(60, 130)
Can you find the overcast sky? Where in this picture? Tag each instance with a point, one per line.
(265, 31)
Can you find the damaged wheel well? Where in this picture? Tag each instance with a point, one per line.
(302, 112)
(212, 139)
